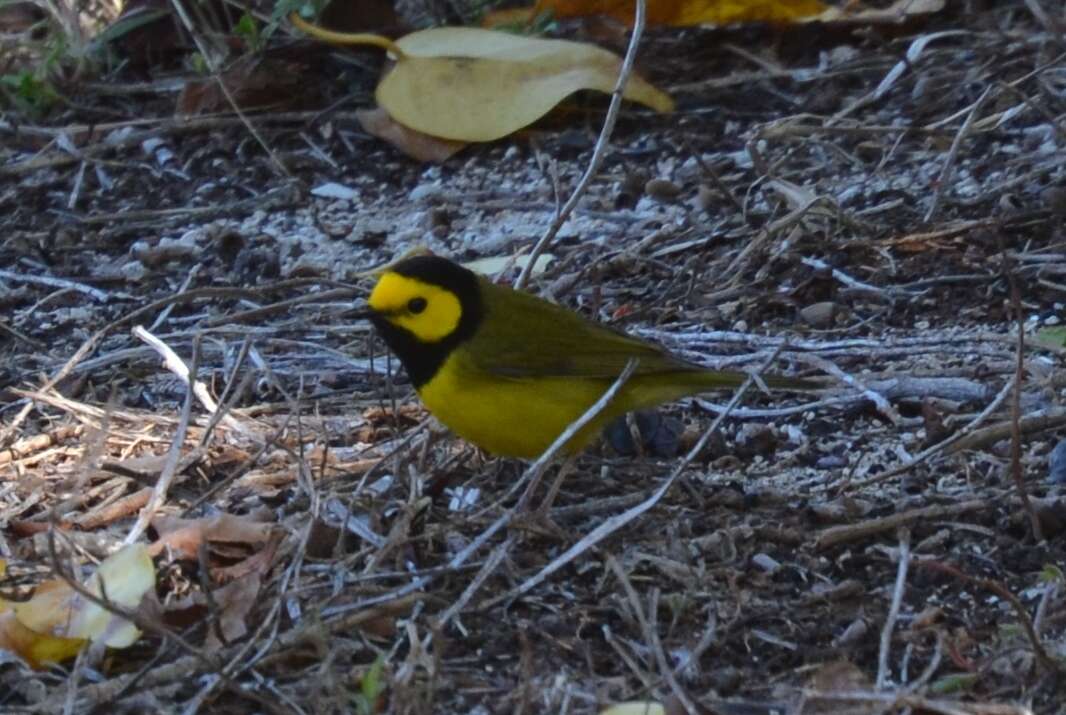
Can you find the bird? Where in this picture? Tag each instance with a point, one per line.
(509, 371)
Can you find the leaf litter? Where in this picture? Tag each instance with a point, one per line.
(319, 546)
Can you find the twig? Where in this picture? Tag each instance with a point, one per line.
(165, 313)
(853, 532)
(1042, 656)
(735, 268)
(1047, 597)
(953, 153)
(598, 152)
(1032, 423)
(1050, 24)
(709, 172)
(914, 52)
(93, 340)
(944, 443)
(893, 610)
(853, 283)
(1016, 405)
(880, 402)
(649, 626)
(170, 466)
(893, 701)
(94, 293)
(177, 366)
(486, 570)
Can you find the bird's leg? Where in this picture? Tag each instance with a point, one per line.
(539, 520)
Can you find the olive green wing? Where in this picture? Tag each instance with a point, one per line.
(524, 336)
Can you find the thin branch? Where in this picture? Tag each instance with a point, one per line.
(1016, 405)
(893, 610)
(598, 152)
(170, 466)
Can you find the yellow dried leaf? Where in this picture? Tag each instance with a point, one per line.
(33, 647)
(469, 84)
(689, 12)
(125, 577)
(58, 611)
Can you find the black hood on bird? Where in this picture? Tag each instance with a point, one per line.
(422, 360)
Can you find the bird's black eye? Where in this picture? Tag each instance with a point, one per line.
(416, 305)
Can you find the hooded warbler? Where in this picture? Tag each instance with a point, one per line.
(509, 371)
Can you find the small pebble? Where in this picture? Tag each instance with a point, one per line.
(831, 461)
(662, 189)
(766, 562)
(853, 634)
(426, 192)
(819, 315)
(332, 190)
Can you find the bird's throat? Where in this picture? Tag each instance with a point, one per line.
(421, 360)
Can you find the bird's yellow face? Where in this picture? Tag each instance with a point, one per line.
(428, 312)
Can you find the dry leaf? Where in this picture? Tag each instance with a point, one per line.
(491, 266)
(184, 536)
(689, 12)
(257, 564)
(469, 84)
(57, 621)
(716, 13)
(899, 11)
(35, 648)
(253, 82)
(414, 144)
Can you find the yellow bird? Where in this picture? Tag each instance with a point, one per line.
(509, 371)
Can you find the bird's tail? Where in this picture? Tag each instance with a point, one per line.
(716, 379)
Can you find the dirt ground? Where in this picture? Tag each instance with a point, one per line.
(877, 207)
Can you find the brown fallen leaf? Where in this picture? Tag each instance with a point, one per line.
(258, 564)
(234, 602)
(254, 82)
(185, 536)
(411, 142)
